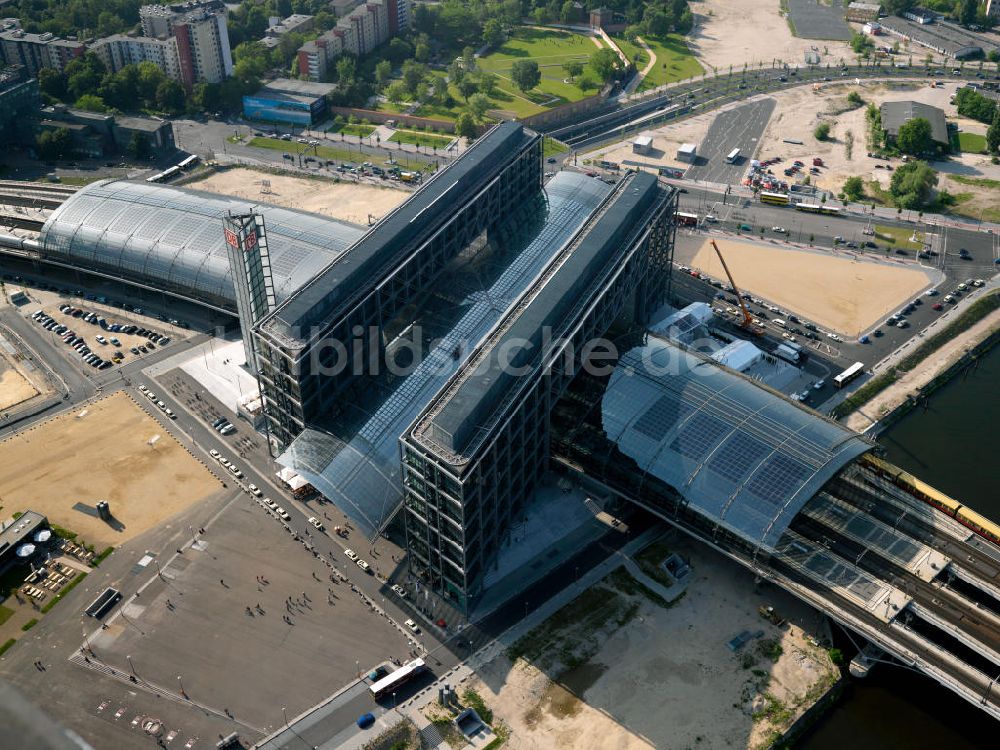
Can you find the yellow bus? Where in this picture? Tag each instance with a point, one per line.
(775, 199)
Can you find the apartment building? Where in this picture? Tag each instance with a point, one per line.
(119, 50)
(35, 51)
(358, 33)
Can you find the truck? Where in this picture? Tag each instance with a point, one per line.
(407, 176)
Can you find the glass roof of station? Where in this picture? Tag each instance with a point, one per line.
(171, 237)
(361, 473)
(739, 453)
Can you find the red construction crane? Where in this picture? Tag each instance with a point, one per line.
(747, 317)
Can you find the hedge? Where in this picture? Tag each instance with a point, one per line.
(66, 589)
(10, 642)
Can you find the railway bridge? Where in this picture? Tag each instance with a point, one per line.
(800, 500)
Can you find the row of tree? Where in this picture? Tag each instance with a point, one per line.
(86, 83)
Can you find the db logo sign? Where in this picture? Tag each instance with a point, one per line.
(231, 238)
(251, 241)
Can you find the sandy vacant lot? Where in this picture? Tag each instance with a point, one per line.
(838, 292)
(100, 452)
(732, 32)
(799, 110)
(341, 200)
(14, 387)
(665, 678)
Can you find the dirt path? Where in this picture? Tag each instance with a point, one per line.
(931, 367)
(637, 79)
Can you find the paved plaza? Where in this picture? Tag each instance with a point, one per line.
(195, 624)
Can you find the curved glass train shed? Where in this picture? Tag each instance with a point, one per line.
(171, 238)
(740, 454)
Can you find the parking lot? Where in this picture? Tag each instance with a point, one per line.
(816, 20)
(251, 622)
(740, 128)
(99, 339)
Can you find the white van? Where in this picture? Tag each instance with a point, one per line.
(779, 322)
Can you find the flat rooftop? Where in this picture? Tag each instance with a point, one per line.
(295, 87)
(951, 39)
(479, 389)
(365, 263)
(896, 114)
(20, 530)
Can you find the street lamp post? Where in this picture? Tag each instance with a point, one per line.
(131, 666)
(181, 685)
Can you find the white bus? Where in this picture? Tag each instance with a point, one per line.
(848, 375)
(734, 155)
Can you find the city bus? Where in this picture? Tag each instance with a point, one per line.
(685, 219)
(812, 208)
(188, 162)
(831, 210)
(734, 155)
(775, 199)
(848, 375)
(394, 681)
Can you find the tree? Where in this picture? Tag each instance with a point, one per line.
(478, 105)
(413, 74)
(967, 11)
(487, 83)
(422, 52)
(52, 83)
(854, 99)
(915, 136)
(898, 7)
(567, 14)
(465, 126)
(861, 44)
(170, 97)
(469, 59)
(573, 68)
(606, 63)
(911, 184)
(587, 82)
(970, 103)
(492, 33)
(822, 131)
(383, 72)
(525, 74)
(854, 188)
(54, 144)
(138, 146)
(399, 50)
(655, 21)
(91, 103)
(456, 72)
(397, 93)
(993, 134)
(468, 87)
(83, 75)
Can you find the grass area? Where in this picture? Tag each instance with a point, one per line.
(551, 49)
(636, 54)
(982, 182)
(552, 147)
(865, 393)
(420, 139)
(972, 143)
(79, 180)
(475, 700)
(100, 558)
(674, 61)
(650, 561)
(327, 152)
(625, 583)
(10, 642)
(65, 590)
(588, 612)
(5, 614)
(900, 237)
(29, 624)
(362, 131)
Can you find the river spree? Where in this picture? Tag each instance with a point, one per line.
(953, 446)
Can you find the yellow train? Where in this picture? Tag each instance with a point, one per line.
(923, 491)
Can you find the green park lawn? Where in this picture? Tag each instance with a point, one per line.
(420, 139)
(674, 61)
(552, 147)
(551, 49)
(972, 143)
(362, 131)
(900, 237)
(327, 152)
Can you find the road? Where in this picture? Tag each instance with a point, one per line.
(626, 117)
(740, 128)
